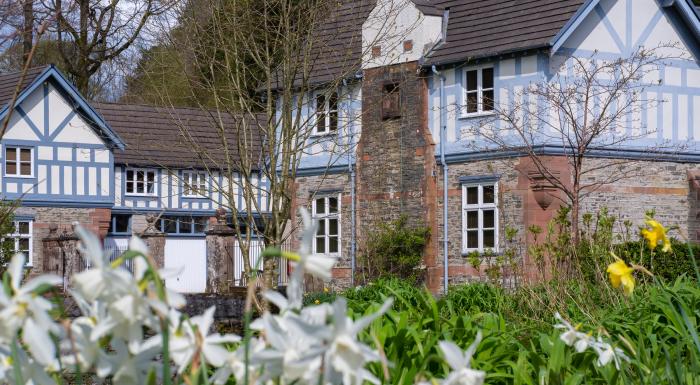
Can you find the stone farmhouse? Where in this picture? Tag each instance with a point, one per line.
(395, 136)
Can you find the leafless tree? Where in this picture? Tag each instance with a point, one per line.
(267, 63)
(90, 33)
(589, 106)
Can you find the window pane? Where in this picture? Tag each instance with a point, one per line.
(333, 112)
(25, 169)
(25, 155)
(151, 177)
(200, 224)
(332, 227)
(321, 227)
(472, 195)
(24, 245)
(489, 239)
(320, 113)
(185, 225)
(472, 219)
(11, 153)
(472, 105)
(129, 175)
(489, 194)
(151, 187)
(321, 206)
(487, 78)
(130, 187)
(23, 227)
(121, 223)
(489, 218)
(320, 245)
(11, 168)
(170, 225)
(332, 244)
(471, 80)
(139, 187)
(473, 239)
(332, 205)
(140, 176)
(488, 101)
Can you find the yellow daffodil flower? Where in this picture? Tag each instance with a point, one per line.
(621, 274)
(656, 233)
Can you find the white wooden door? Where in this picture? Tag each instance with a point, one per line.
(187, 257)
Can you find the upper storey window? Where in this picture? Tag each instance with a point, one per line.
(18, 161)
(478, 91)
(326, 113)
(194, 184)
(140, 181)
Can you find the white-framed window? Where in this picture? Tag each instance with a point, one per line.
(478, 91)
(20, 241)
(326, 210)
(140, 181)
(480, 217)
(194, 184)
(326, 113)
(18, 161)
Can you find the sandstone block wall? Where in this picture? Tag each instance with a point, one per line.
(94, 219)
(308, 187)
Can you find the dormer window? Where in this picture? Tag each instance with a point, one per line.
(478, 91)
(326, 113)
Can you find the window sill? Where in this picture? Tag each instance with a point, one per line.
(494, 253)
(320, 135)
(19, 176)
(141, 195)
(465, 116)
(194, 197)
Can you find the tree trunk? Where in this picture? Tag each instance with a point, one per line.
(28, 32)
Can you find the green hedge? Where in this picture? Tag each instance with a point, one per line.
(665, 266)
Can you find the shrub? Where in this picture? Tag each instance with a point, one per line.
(665, 266)
(395, 249)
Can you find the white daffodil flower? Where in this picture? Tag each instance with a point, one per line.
(24, 309)
(294, 350)
(100, 280)
(81, 350)
(582, 341)
(234, 364)
(185, 341)
(346, 355)
(460, 363)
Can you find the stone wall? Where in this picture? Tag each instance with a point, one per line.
(395, 154)
(662, 186)
(510, 205)
(308, 187)
(94, 219)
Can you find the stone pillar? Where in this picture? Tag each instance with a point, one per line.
(62, 255)
(53, 257)
(220, 243)
(155, 240)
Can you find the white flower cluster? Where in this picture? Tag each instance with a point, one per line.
(131, 331)
(582, 341)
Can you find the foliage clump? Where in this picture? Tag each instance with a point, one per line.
(395, 249)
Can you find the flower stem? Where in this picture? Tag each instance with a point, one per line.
(15, 363)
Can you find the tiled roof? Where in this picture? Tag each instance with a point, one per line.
(338, 50)
(179, 137)
(9, 81)
(490, 27)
